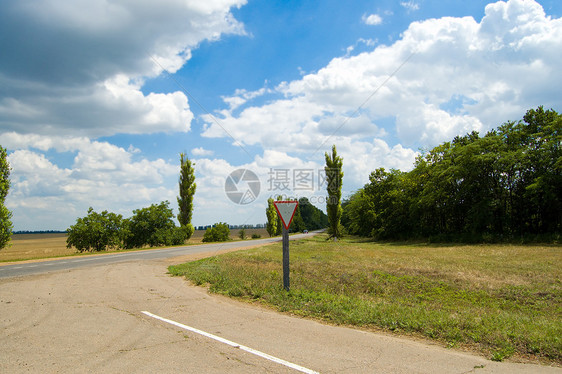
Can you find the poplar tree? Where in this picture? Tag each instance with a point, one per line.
(5, 214)
(271, 214)
(187, 187)
(334, 178)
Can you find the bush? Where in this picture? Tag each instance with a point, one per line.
(242, 234)
(154, 226)
(218, 233)
(96, 231)
(256, 236)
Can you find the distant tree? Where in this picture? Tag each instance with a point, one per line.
(96, 232)
(242, 233)
(5, 215)
(279, 227)
(220, 232)
(334, 179)
(154, 226)
(271, 214)
(187, 187)
(313, 218)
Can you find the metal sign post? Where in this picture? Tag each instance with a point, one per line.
(286, 281)
(286, 211)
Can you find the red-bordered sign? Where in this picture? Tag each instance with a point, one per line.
(286, 211)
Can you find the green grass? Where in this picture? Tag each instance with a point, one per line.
(500, 300)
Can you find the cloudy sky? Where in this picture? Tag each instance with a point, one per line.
(98, 98)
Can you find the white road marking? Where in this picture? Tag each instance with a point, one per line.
(233, 344)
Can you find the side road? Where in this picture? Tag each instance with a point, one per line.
(90, 320)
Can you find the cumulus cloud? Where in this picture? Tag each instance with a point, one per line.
(373, 19)
(200, 151)
(78, 66)
(101, 175)
(501, 66)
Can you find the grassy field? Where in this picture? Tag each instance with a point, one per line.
(34, 246)
(500, 300)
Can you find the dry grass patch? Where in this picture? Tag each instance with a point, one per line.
(36, 246)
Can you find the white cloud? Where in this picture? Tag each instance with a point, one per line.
(200, 151)
(410, 5)
(503, 65)
(102, 175)
(373, 19)
(78, 67)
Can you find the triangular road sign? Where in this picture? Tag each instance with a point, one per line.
(286, 211)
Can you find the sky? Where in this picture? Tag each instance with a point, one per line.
(98, 98)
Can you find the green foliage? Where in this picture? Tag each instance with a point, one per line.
(187, 187)
(313, 218)
(505, 185)
(154, 226)
(242, 234)
(96, 232)
(5, 215)
(334, 180)
(256, 236)
(220, 232)
(271, 214)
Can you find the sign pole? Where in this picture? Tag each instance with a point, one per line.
(286, 211)
(286, 284)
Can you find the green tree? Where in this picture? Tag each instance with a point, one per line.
(220, 232)
(312, 217)
(154, 226)
(187, 187)
(242, 233)
(5, 215)
(506, 184)
(279, 223)
(334, 179)
(96, 232)
(271, 214)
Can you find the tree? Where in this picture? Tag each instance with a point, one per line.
(154, 226)
(504, 185)
(5, 215)
(312, 217)
(242, 233)
(220, 232)
(271, 214)
(96, 232)
(334, 179)
(187, 187)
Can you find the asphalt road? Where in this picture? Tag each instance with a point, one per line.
(123, 313)
(66, 263)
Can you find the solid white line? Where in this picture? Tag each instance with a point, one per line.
(233, 344)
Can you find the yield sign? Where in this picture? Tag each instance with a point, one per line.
(286, 211)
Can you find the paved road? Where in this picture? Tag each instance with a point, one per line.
(23, 269)
(91, 319)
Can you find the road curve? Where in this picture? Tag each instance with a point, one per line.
(66, 263)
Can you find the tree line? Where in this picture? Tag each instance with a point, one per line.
(307, 217)
(150, 226)
(504, 185)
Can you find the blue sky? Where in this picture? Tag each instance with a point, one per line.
(97, 99)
